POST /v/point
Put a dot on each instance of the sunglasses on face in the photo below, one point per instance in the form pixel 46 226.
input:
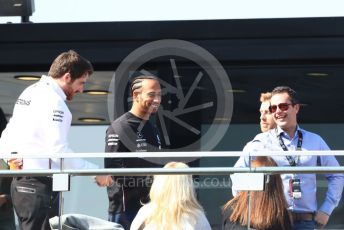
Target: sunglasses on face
pixel 281 106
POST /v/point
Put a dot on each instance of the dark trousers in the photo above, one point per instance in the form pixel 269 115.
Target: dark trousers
pixel 123 218
pixel 304 225
pixel 7 223
pixel 34 202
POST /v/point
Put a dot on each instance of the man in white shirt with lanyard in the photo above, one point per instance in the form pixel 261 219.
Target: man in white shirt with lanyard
pixel 299 189
pixel 39 125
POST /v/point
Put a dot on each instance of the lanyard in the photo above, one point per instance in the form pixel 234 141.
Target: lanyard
pixel 292 161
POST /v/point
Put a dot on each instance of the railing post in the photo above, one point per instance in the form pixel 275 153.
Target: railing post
pixel 61 198
pixel 249 197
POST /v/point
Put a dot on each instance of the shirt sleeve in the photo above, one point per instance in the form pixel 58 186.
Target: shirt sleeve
pixel 335 182
pixel 203 223
pixel 113 144
pixel 243 161
pixel 55 124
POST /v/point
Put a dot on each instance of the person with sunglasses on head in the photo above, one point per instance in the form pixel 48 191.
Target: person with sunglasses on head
pixel 267 121
pixel 299 189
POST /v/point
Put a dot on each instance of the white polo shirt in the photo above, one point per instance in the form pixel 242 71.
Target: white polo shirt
pixel 40 125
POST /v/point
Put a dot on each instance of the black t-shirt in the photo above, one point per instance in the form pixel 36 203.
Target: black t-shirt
pixel 129 133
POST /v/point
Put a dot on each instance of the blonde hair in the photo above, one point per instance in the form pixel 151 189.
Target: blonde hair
pixel 173 200
pixel 265 96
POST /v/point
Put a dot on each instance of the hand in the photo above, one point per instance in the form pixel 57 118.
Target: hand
pixel 321 218
pixel 103 181
pixel 15 163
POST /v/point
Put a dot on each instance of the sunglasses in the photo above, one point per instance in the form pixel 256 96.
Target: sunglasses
pixel 281 106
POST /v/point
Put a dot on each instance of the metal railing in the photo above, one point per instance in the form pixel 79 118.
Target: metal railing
pixel 174 156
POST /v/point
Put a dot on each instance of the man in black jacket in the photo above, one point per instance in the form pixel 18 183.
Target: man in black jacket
pixel 132 132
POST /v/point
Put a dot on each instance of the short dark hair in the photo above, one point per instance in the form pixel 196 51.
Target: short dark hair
pixel 286 89
pixel 70 62
pixel 136 83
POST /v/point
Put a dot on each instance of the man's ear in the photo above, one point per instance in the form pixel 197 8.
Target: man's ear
pixel 135 96
pixel 66 78
pixel 297 107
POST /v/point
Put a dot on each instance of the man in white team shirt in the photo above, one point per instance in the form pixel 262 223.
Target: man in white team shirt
pixel 40 125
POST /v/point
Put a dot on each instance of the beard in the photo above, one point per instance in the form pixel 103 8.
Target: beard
pixel 69 91
pixel 69 97
pixel 69 94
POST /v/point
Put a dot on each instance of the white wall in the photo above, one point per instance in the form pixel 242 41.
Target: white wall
pixel 154 10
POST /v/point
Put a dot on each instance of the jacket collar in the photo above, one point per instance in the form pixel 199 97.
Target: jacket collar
pixel 50 81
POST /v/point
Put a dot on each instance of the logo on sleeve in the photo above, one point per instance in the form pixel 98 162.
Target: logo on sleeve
pixel 113 139
pixel 23 102
pixel 58 115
